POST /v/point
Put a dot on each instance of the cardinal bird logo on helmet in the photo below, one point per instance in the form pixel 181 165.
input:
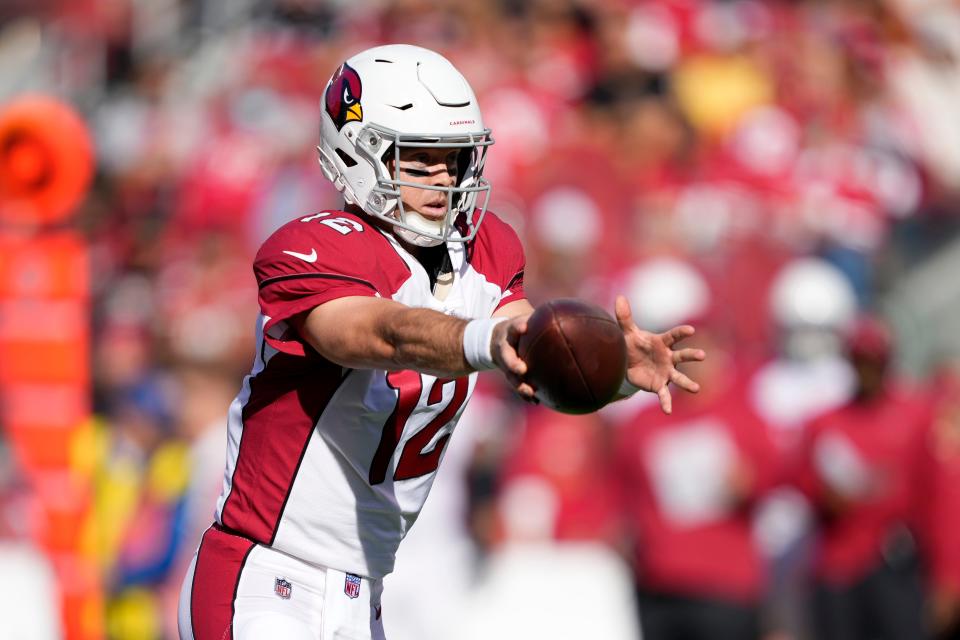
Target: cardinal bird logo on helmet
pixel 343 96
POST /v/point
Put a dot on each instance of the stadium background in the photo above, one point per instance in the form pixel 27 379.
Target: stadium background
pixel 688 153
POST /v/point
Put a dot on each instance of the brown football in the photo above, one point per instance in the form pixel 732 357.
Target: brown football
pixel 576 355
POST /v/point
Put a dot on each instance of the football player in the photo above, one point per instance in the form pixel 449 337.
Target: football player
pixel 374 321
pixel 865 468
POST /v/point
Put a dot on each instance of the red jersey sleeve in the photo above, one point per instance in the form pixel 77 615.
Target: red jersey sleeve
pixel 316 259
pixel 497 253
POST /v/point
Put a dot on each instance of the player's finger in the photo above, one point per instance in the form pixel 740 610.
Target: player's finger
pixel 516 328
pixel 688 355
pixel 666 402
pixel 515 380
pixel 523 389
pixel 624 316
pixel 526 392
pixel 684 382
pixel 512 361
pixel 677 334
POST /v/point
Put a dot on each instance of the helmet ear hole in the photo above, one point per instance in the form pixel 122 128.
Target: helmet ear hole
pixel 464 158
pixel 348 162
pixel 387 154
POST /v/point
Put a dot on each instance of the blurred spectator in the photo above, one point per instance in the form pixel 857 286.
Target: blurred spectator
pixel 556 484
pixel 811 304
pixel 862 468
pixel 549 541
pixel 690 481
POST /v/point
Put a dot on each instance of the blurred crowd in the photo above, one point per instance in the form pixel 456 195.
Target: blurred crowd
pixel 785 175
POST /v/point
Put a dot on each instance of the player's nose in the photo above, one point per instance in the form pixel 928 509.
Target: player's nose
pixel 442 176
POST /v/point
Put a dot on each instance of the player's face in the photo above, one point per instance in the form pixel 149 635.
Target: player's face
pixel 430 166
pixel 870 374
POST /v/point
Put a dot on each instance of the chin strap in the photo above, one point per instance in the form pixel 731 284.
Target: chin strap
pixel 414 238
pixel 417 221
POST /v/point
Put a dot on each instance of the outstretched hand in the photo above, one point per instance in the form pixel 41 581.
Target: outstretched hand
pixel 651 358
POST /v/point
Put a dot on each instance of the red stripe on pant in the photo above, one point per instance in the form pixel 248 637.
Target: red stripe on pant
pixel 216 576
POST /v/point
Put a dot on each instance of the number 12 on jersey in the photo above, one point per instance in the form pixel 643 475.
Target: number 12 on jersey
pixel 341 225
pixel 414 462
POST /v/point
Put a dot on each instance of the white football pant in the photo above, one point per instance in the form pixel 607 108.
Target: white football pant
pixel 238 589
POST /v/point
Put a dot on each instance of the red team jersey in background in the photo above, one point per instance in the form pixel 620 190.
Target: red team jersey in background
pixel 329 464
pixel 693 537
pixel 873 456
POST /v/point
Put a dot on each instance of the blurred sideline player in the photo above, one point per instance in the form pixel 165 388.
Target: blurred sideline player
pixel 864 469
pixel 690 484
pixel 374 321
pixel 811 304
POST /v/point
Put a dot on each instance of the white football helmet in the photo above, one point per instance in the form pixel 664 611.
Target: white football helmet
pixel 665 292
pixel 812 304
pixel 810 291
pixel 395 96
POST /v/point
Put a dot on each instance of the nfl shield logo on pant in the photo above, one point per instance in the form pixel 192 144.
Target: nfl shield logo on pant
pixel 282 588
pixel 351 586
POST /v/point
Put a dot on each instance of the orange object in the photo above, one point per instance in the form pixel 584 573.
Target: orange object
pixel 44 310
pixel 81 598
pixel 40 447
pixel 44 361
pixel 54 405
pixel 49 266
pixel 45 352
pixel 46 160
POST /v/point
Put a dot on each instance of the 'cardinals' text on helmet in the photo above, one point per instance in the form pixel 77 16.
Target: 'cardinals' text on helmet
pixel 395 96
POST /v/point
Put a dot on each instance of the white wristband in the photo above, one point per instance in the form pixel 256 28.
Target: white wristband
pixel 628 388
pixel 477 338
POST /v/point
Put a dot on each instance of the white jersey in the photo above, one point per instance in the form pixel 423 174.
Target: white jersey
pixel 333 465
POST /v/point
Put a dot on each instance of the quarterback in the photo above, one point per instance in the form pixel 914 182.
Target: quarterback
pixel 374 321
